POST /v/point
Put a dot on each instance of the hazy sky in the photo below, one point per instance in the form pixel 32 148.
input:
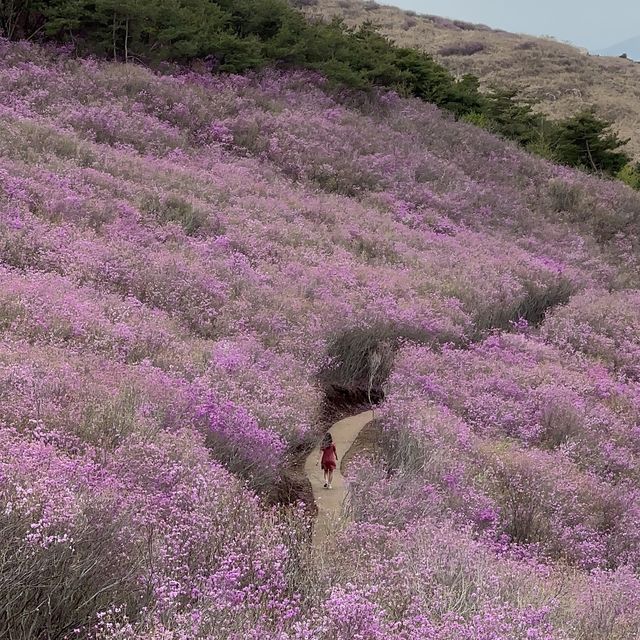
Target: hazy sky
pixel 589 23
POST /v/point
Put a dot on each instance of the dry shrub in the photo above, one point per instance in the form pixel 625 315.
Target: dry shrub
pixel 465 26
pixel 411 451
pixel 560 421
pixel 30 141
pixel 11 312
pixel 409 23
pixel 606 608
pixel 343 180
pixel 376 252
pixel 522 511
pixel 248 135
pixel 177 210
pixel 18 250
pixel 443 23
pixel 564 197
pixel 48 592
pixel 106 424
pixel 526 46
pixel 622 217
pixel 463 49
pixel 532 307
pixel 605 220
pixel 426 172
pixel 361 358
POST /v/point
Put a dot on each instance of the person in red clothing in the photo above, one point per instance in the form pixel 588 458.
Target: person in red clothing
pixel 328 459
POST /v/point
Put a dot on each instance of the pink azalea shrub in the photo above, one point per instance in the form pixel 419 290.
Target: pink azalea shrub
pixel 151 522
pixel 178 251
pixel 606 326
pixel 550 445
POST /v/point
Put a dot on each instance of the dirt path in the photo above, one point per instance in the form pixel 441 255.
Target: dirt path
pixel 330 501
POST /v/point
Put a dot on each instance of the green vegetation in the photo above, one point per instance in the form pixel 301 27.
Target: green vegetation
pixel 586 141
pixel 630 174
pixel 240 35
pixel 503 112
pixel 583 140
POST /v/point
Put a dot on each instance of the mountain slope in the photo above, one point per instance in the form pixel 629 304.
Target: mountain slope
pixel 630 46
pixel 563 78
pixel 192 266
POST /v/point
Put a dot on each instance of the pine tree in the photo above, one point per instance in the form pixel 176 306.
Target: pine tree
pixel 587 141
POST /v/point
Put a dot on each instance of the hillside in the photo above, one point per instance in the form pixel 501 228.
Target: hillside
pixel 192 266
pixel 563 78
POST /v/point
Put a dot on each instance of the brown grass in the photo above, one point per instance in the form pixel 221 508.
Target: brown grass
pixel 562 77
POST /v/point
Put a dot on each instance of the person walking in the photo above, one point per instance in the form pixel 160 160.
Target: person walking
pixel 328 459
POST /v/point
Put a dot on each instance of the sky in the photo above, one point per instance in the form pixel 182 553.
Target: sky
pixel 594 24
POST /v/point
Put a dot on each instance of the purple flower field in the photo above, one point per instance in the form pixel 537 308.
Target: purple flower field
pixel 178 252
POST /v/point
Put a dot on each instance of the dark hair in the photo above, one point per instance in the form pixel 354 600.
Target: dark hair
pixel 327 440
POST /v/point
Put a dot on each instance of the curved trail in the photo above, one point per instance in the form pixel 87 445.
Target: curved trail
pixel 330 501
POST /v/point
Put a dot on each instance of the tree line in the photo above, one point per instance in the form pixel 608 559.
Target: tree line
pixel 241 35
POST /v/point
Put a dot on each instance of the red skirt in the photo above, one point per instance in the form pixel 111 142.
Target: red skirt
pixel 328 462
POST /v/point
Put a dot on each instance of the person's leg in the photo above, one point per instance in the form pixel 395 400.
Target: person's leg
pixel 325 475
pixel 330 477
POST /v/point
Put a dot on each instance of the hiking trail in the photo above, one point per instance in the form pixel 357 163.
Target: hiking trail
pixel 330 501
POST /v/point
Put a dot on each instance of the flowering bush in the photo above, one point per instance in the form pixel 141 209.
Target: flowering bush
pixel 553 463
pixel 183 255
pixel 606 326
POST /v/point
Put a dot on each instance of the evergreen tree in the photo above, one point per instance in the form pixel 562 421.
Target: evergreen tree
pixel 20 18
pixel 513 117
pixel 124 29
pixel 586 141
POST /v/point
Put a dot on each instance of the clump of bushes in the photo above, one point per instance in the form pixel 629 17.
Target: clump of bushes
pixel 409 23
pixel 606 221
pixel 531 307
pixel 466 26
pixel 586 141
pixel 177 210
pixel 630 174
pixel 564 197
pixel 443 23
pixel 361 358
pixel 583 140
pixel 526 46
pixel 51 588
pixel 238 36
pixel 463 49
